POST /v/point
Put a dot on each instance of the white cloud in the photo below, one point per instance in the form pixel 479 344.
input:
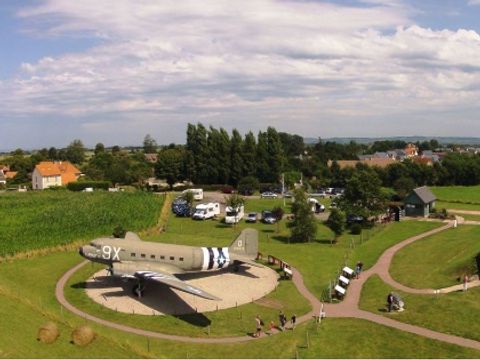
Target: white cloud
pixel 473 2
pixel 283 62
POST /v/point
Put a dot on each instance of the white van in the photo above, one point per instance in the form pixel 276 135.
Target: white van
pixel 197 193
pixel 234 215
pixel 315 205
pixel 206 211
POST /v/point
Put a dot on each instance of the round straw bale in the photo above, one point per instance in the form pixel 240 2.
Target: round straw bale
pixel 83 335
pixel 48 333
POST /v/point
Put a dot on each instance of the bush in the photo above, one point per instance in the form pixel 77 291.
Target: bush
pixel 355 229
pixel 82 185
pixel 119 232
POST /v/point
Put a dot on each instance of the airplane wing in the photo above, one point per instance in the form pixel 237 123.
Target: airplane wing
pixel 174 282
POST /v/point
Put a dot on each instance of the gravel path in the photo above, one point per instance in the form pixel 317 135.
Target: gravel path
pixel 347 308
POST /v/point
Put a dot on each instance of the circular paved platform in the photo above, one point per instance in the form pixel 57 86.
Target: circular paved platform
pixel 234 289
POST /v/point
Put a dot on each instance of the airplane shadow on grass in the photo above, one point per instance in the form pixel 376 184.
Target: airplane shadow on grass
pixel 158 297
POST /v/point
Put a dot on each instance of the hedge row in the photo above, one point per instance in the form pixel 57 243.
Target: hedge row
pixel 82 185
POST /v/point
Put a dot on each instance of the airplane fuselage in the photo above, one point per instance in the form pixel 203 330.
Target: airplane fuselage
pixel 187 258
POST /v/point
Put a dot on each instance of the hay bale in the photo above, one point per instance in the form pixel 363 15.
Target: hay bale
pixel 48 333
pixel 83 335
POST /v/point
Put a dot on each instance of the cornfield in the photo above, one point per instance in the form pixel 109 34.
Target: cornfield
pixel 30 221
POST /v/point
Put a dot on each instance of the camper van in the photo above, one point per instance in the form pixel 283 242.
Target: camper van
pixel 197 193
pixel 206 211
pixel 234 215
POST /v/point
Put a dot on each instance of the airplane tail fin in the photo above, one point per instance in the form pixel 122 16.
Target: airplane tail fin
pixel 246 244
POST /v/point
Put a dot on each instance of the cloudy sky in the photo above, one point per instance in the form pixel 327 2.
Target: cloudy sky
pixel 112 71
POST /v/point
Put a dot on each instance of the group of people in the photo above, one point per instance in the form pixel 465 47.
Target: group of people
pixel 282 320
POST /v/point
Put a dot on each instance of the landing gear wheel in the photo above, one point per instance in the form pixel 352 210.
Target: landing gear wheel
pixel 138 290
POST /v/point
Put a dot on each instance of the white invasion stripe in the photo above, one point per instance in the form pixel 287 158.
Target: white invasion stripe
pixel 216 255
pixel 227 256
pixel 205 258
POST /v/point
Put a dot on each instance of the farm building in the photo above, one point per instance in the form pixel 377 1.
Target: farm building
pixel 419 202
pixel 53 173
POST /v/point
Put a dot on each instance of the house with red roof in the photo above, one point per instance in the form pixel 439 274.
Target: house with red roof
pixel 53 173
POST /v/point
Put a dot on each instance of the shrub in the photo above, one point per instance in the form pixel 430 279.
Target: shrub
pixel 355 229
pixel 83 335
pixel 82 185
pixel 48 333
pixel 119 232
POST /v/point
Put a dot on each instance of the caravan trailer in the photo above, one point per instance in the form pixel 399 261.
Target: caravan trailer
pixel 206 211
pixel 197 193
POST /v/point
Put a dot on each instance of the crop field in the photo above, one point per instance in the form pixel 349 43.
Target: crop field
pixel 453 313
pixel 464 194
pixel 439 260
pixel 37 220
pixel 28 301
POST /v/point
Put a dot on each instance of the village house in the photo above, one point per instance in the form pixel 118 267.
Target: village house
pixel 53 173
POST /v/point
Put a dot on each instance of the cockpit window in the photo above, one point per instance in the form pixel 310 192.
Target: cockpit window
pixel 95 244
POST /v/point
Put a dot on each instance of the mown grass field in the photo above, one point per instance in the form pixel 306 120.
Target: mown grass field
pixel 28 301
pixel 464 194
pixel 454 313
pixel 37 220
pixel 438 261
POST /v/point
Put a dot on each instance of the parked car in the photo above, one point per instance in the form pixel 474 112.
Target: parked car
pixel 180 207
pixel 206 211
pixel 352 219
pixel 251 217
pixel 268 217
pixel 268 195
pixel 288 194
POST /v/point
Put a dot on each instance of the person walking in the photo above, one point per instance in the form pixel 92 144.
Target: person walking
pixel 358 269
pixel 293 320
pixel 390 302
pixel 465 282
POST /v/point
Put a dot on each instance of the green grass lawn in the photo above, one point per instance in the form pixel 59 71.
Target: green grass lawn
pixel 36 220
pixel 28 301
pixel 456 205
pixel 228 322
pixel 457 193
pixel 453 313
pixel 439 260
pixel 470 217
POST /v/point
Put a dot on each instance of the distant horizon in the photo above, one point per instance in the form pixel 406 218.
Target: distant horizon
pixel 461 140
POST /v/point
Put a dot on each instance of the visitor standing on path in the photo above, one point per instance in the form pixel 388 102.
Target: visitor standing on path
pixel 283 320
pixel 258 324
pixel 390 302
pixel 293 320
pixel 465 282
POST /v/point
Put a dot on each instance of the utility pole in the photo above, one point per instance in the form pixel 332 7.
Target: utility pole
pixel 283 188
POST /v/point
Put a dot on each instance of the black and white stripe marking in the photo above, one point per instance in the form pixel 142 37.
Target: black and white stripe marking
pixel 215 258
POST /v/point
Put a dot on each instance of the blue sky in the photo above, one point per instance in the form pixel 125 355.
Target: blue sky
pixel 115 70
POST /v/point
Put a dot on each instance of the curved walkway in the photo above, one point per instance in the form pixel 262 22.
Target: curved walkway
pixel 347 308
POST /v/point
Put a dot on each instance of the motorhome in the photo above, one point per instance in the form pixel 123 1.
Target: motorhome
pixel 197 193
pixel 234 214
pixel 206 211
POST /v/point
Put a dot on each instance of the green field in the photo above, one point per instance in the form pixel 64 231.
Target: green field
pixel 37 220
pixel 456 205
pixel 27 295
pixel 454 313
pixel 470 217
pixel 464 194
pixel 439 260
pixel 28 301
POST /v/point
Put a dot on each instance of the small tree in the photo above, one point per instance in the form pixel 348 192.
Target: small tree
pixel 119 232
pixel 278 212
pixel 336 223
pixel 304 225
pixel 188 197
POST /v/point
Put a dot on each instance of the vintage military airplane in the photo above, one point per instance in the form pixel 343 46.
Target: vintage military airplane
pixel 147 261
